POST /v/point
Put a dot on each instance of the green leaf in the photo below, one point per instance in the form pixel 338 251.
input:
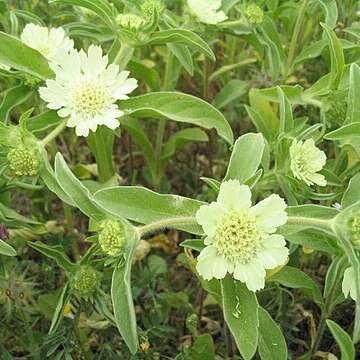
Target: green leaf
pixel 182 36
pixel 296 279
pixel 12 98
pixel 43 122
pixel 233 90
pixel 310 52
pixel 47 174
pixel 272 345
pixel 178 107
pixel 292 93
pixel 346 132
pixel 203 348
pixel 240 309
pixel 331 12
pixel 183 54
pixel 259 122
pixel 145 206
pixel 243 167
pixel 352 193
pixel 76 191
pixel 181 138
pixel 286 116
pixel 16 54
pixel 101 7
pixel 121 297
pixel 56 253
pixel 343 340
pixel 6 249
pixel 353 110
pixel 315 240
pixel 337 57
pixel 194 244
pixel 59 311
pixel 149 75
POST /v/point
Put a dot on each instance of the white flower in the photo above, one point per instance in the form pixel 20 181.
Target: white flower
pixel 349 283
pixel 306 161
pixel 47 42
pixel 206 11
pixel 4 67
pixel 86 89
pixel 240 238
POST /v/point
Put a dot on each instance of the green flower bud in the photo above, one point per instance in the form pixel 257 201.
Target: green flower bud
pixel 254 14
pixel 86 280
pixel 354 230
pixel 149 6
pixel 192 322
pixel 23 161
pixel 31 81
pixel 129 21
pixel 335 107
pixel 112 237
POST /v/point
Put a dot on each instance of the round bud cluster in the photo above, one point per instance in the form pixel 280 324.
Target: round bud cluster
pixel 112 237
pixel 23 161
pixel 149 6
pixel 31 81
pixel 86 280
pixel 354 230
pixel 254 14
pixel 129 21
pixel 192 322
pixel 335 108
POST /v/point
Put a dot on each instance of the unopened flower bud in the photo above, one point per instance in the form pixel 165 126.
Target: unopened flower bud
pixel 86 280
pixel 335 107
pixel 150 6
pixel 4 232
pixel 23 161
pixel 112 237
pixel 129 21
pixel 254 14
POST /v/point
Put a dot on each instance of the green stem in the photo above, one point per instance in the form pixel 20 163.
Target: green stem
pixel 312 222
pixel 167 223
pixel 295 39
pixel 326 312
pixel 104 162
pixel 123 56
pixel 53 134
pixel 71 230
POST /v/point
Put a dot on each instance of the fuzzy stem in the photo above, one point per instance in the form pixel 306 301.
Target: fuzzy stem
pixel 53 134
pixel 167 223
pixel 295 39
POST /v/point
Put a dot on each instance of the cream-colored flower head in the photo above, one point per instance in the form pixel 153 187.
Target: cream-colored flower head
pixel 241 238
pixel 86 89
pixel 47 42
pixel 349 283
pixel 306 161
pixel 207 11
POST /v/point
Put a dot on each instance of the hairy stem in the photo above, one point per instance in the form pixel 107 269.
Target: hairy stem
pixel 53 134
pixel 167 223
pixel 295 39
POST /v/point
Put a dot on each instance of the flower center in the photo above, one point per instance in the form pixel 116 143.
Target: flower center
pixel 44 49
pixel 89 98
pixel 238 237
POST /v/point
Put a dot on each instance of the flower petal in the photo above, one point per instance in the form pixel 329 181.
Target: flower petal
pixel 233 196
pixel 252 274
pixel 270 213
pixel 207 216
pixel 210 264
pixel 275 253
